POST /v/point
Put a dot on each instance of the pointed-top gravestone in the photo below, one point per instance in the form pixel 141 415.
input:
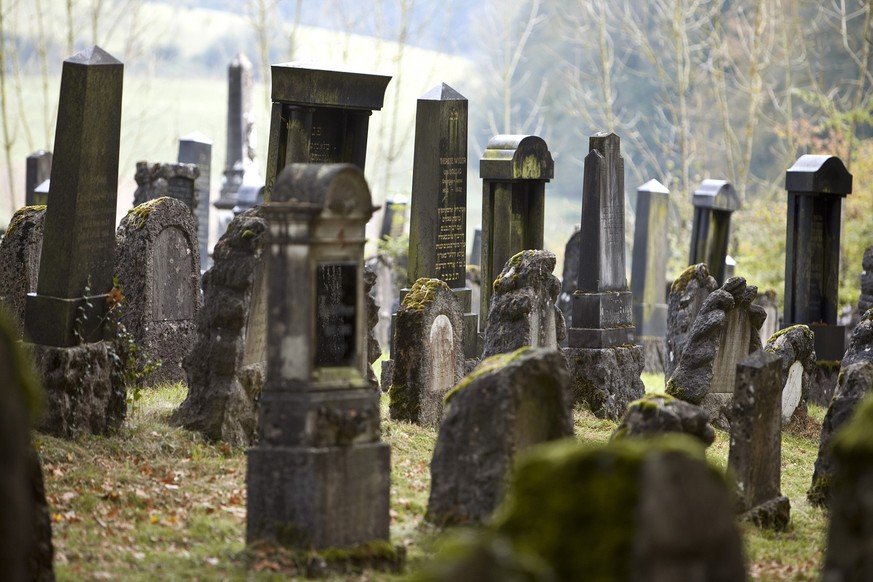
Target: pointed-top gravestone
pixel 196 148
pixel 239 118
pixel 78 252
pixel 714 202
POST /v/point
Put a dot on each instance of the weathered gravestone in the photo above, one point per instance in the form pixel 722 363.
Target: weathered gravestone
pixel 158 268
pixel 684 301
pixel 755 456
pixel 319 476
pixel 769 302
pixel 475 258
pixel 514 171
pixel 853 385
pixel 429 353
pixel 724 332
pixel 38 170
pixel 714 203
pixel 394 217
pixel 604 363
pixel 523 310
pixel 510 402
pixel 227 364
pixel 635 509
pixel 794 346
pixel 569 278
pixel 174 180
pixel 195 148
pixel 649 273
pixel 865 302
pixel 20 251
pixel 658 414
pixel 67 317
pixel 25 526
pixel 847 556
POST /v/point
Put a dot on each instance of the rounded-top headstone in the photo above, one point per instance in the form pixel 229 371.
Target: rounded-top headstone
pixel 517 157
pixel 819 174
pixel 716 194
pixel 339 189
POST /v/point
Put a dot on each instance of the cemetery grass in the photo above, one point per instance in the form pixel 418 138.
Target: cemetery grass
pixel 154 501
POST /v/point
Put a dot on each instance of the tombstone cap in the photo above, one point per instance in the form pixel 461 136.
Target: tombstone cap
pixel 716 194
pixel 653 186
pixel 442 92
pixel 820 174
pixel 338 189
pixel 517 157
pixel 93 56
pixel 303 83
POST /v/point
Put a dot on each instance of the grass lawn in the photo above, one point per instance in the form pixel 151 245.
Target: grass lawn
pixel 156 502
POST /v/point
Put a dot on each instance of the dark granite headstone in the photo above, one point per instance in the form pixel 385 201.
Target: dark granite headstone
pixel 195 148
pixel 714 203
pixel 78 253
pixel 394 216
pixel 816 187
pixel 39 169
pixel 514 171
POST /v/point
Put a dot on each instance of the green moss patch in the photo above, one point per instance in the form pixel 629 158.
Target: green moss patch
pixel 487 366
pixel 423 292
pixel 21 215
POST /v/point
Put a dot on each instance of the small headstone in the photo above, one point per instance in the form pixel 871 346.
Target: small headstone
pixel 865 302
pixel 816 187
pixel 769 302
pixel 714 203
pixel 394 216
pixel 173 180
pixel 658 414
pixel 475 258
pixel 195 148
pixel 686 297
pixel 510 402
pixel 429 353
pixel 569 278
pixel 20 251
pixel 755 456
pixel 794 346
pixel 39 169
pixel 514 171
pixel 523 310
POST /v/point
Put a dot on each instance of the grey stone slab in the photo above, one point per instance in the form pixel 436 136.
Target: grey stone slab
pixel 195 148
pixel 649 265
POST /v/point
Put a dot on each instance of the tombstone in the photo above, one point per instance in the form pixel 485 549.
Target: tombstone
pixel 173 180
pixel 429 356
pixel 41 192
pixel 847 555
pixel 374 349
pixel 20 250
pixel 865 302
pixel 319 476
pixel 605 365
pixel 724 332
pixel 249 195
pixel 816 187
pixel 769 302
pixel 755 456
pixel 523 310
pixel 394 217
pixel 649 273
pixel 658 414
pixel 226 366
pixel 39 169
pixel 714 202
pixel 684 301
pixel 569 277
pixel 794 346
pixel 514 171
pixel 195 148
pixel 632 510
pixel 853 385
pixel 158 269
pixel 511 402
pixel 475 258
pixel 320 115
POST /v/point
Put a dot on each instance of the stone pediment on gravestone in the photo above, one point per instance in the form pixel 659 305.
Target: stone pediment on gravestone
pixel 517 157
pixel 716 194
pixel 819 174
pixel 307 83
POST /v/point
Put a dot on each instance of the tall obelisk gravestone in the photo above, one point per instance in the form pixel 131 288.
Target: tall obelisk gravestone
pixel 196 148
pixel 78 251
pixel 604 362
pixel 438 223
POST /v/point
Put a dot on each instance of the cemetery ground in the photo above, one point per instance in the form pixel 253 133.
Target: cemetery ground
pixel 157 502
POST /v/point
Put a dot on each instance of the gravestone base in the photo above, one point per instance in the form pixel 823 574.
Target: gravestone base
pixel 823 382
pixel 654 353
pixel 307 497
pixel 718 407
pixel 606 380
pixel 84 388
pixel 168 341
pixel 773 514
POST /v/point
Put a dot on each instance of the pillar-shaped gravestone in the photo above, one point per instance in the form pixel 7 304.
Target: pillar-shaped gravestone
pixel 714 202
pixel 239 154
pixel 319 476
pixel 20 250
pixel 514 171
pixel 39 169
pixel 755 456
pixel 816 187
pixel 649 272
pixel 438 223
pixel 602 314
pixel 195 148
pixel 78 253
pixel 172 180
pixel 320 115
pixel 394 217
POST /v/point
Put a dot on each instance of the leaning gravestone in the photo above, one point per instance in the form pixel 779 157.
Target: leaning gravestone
pixel 724 332
pixel 429 353
pixel 319 476
pixel 523 310
pixel 67 318
pixel 226 365
pixel 20 250
pixel 195 148
pixel 755 456
pixel 658 414
pixel 158 268
pixel 510 402
pixel 39 169
pixel 794 346
pixel 865 302
pixel 633 510
pixel 605 365
pixel 714 203
pixel 686 297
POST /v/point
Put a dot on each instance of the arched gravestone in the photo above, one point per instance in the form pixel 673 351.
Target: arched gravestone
pixel 714 203
pixel 20 251
pixel 158 269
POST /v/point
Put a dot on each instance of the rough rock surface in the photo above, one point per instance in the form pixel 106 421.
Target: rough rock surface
pixel 227 365
pixel 865 302
pixel 795 347
pixel 523 310
pixel 19 261
pixel 683 304
pixel 657 414
pixel 512 401
pixel 606 380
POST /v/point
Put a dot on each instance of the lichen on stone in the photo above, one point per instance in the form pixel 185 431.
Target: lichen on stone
pixel 423 292
pixel 487 366
pixel 21 215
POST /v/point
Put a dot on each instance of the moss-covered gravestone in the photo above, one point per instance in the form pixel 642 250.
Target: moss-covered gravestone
pixel 428 352
pixel 795 348
pixel 20 250
pixel 659 414
pixel 510 402
pixel 633 510
pixel 683 304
